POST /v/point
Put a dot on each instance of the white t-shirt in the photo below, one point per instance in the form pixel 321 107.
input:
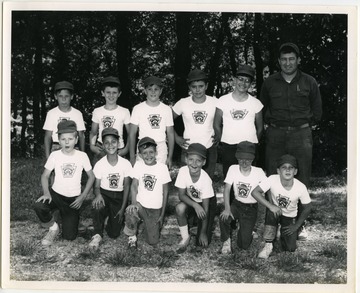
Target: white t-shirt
pixel 239 119
pixel 68 171
pixel 151 180
pixel 152 121
pixel 198 119
pixel 197 191
pixel 112 177
pixel 287 200
pixel 55 115
pixel 244 185
pixel 115 118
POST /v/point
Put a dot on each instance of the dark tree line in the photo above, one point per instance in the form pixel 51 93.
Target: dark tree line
pixel 83 47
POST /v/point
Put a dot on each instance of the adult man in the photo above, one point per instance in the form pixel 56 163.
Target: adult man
pixel 292 105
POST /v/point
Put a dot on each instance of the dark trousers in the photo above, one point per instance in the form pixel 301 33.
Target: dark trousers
pixel 70 217
pixel 288 243
pixel 246 215
pixel 113 202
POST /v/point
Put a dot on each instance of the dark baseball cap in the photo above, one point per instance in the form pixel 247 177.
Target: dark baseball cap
pixel 111 79
pixel 63 85
pixel 145 141
pixel 246 70
pixel 66 126
pixel 153 80
pixel 110 131
pixel 197 149
pixel 289 159
pixel 195 75
pixel 245 150
pixel 289 47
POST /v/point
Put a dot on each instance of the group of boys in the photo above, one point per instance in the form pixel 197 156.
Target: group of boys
pixel 128 192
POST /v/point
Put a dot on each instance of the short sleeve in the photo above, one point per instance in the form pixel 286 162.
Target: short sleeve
pixel 50 163
pixel 229 179
pixel 165 174
pixel 304 196
pixel 180 179
pixel 169 118
pixel 128 168
pixel 95 116
pixel 177 108
pixel 265 184
pixel 134 118
pixel 126 116
pixel 86 163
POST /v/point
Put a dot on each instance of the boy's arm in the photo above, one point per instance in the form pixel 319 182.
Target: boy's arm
pixel 258 194
pixel 92 138
pixel 196 206
pixel 217 125
pixel 76 204
pixel 126 191
pixel 47 142
pixel 125 150
pixel 227 211
pixel 133 194
pixel 82 140
pixel 45 186
pixel 259 125
pixel 170 139
pixel 98 201
pixel 203 240
pixel 180 141
pixel 288 230
pixel 164 203
pixel 132 138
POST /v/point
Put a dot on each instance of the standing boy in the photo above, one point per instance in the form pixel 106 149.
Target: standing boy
pixel 282 207
pixel 244 178
pixel 149 193
pixel 109 115
pixel 65 194
pixel 154 119
pixel 64 93
pixel 198 112
pixel 195 191
pixel 112 185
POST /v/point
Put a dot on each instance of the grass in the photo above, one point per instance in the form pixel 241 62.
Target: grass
pixel 320 260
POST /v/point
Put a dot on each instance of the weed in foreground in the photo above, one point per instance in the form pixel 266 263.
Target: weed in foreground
pixel 24 247
pixel 125 258
pixel 335 250
pixel 291 262
pixel 196 277
pixel 79 277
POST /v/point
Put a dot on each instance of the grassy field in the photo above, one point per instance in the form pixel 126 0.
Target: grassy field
pixel 322 259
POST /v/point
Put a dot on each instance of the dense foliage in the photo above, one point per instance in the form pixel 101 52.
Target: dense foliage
pixel 84 46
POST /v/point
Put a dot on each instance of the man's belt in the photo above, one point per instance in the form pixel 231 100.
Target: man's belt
pixel 290 127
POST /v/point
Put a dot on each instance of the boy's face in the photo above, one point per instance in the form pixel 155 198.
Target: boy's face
pixel 198 89
pixel 148 155
pixel 194 163
pixel 245 164
pixel 68 141
pixel 242 83
pixel 64 98
pixel 287 171
pixel 110 144
pixel 111 94
pixel 153 92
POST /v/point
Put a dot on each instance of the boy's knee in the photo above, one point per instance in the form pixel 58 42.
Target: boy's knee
pixel 180 209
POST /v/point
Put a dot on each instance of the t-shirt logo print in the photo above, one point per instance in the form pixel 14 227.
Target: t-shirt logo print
pixel 114 180
pixel 63 119
pixel 238 114
pixel 108 121
pixel 199 117
pixel 283 201
pixel 68 170
pixel 194 192
pixel 243 189
pixel 154 120
pixel 149 182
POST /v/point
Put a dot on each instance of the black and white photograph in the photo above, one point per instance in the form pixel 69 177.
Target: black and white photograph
pixel 179 147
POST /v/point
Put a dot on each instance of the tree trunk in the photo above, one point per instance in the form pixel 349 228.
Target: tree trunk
pixel 231 48
pixel 257 53
pixel 182 53
pixel 61 59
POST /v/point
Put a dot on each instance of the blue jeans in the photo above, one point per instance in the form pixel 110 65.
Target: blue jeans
pixel 298 143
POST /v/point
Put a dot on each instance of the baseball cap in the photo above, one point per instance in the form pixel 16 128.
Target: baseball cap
pixel 66 126
pixel 152 80
pixel 109 131
pixel 286 159
pixel 291 47
pixel 247 70
pixel 145 141
pixel 63 85
pixel 245 150
pixel 197 149
pixel 111 79
pixel 195 75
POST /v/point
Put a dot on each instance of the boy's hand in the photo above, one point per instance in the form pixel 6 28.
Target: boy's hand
pixel 182 142
pixel 77 203
pixel 44 198
pixel 160 221
pixel 132 160
pixel 120 214
pixel 289 230
pixel 226 214
pixel 98 202
pixel 169 163
pixel 203 240
pixel 95 149
pixel 200 212
pixel 215 140
pixel 132 209
pixel 275 210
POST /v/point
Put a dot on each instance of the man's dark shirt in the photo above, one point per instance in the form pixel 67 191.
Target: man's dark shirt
pixel 291 104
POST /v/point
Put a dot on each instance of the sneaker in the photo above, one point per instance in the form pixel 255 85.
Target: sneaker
pixel 95 241
pixel 226 248
pixel 265 252
pixel 183 244
pixel 278 233
pixel 302 236
pixel 132 243
pixel 50 237
pixel 255 235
